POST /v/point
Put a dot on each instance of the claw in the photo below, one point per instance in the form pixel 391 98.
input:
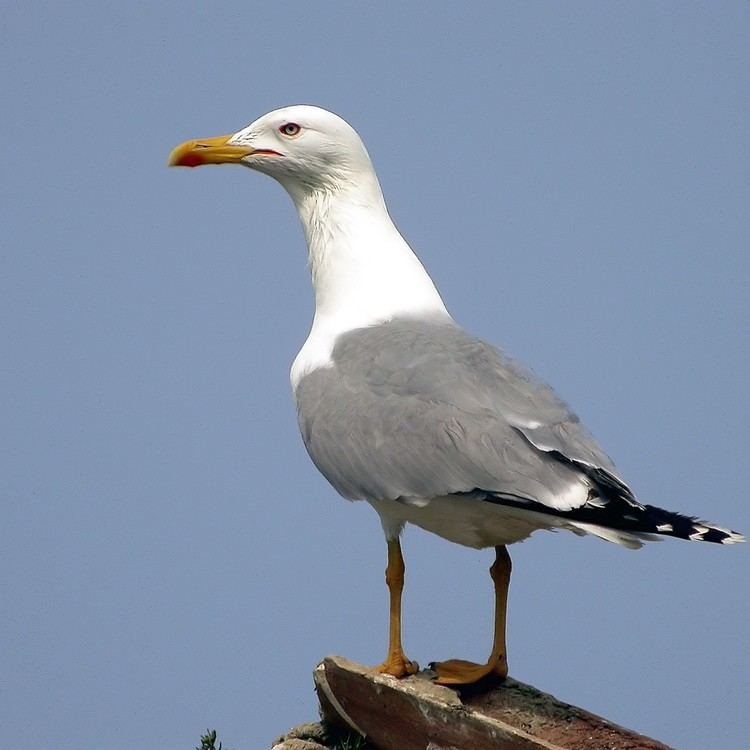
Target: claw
pixel 397 665
pixel 460 672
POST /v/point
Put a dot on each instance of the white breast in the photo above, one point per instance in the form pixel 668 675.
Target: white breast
pixel 363 273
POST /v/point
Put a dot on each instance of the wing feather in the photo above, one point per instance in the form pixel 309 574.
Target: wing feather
pixel 421 409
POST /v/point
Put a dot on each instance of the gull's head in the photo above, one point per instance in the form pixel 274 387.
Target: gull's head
pixel 303 147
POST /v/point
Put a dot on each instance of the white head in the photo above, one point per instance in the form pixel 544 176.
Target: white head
pixel 363 271
pixel 305 148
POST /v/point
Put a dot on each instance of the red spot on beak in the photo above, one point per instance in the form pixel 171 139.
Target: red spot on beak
pixel 190 160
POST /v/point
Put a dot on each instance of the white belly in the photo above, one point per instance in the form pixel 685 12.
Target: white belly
pixel 463 520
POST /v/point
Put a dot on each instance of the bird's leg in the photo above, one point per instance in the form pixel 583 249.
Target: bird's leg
pixel 396 663
pixel 460 672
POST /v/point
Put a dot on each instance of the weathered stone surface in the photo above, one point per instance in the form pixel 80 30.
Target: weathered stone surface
pixel 317 736
pixel 313 731
pixel 296 744
pixel 416 714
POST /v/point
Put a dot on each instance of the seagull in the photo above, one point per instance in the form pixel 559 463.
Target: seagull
pixel 401 407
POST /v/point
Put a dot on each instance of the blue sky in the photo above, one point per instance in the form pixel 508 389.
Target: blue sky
pixel 574 176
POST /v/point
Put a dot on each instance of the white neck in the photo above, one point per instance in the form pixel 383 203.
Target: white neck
pixel 363 271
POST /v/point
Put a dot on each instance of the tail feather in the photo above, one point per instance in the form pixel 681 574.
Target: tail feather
pixel 618 519
pixel 669 523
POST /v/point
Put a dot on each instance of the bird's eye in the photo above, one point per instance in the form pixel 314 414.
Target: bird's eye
pixel 290 129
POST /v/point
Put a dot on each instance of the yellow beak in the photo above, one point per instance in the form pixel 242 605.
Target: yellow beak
pixel 208 151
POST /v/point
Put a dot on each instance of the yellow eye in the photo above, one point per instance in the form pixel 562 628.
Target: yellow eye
pixel 290 129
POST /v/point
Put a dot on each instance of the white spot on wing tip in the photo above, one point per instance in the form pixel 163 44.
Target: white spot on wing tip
pixel 665 527
pixel 734 538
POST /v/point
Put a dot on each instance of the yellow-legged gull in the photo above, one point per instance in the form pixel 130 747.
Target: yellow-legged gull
pixel 400 407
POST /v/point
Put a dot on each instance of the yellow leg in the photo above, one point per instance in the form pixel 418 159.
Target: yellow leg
pixel 396 663
pixel 460 672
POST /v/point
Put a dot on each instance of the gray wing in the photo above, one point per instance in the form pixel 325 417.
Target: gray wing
pixel 415 409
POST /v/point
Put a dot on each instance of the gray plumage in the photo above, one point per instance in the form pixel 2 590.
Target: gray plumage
pixel 421 409
pixel 415 409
